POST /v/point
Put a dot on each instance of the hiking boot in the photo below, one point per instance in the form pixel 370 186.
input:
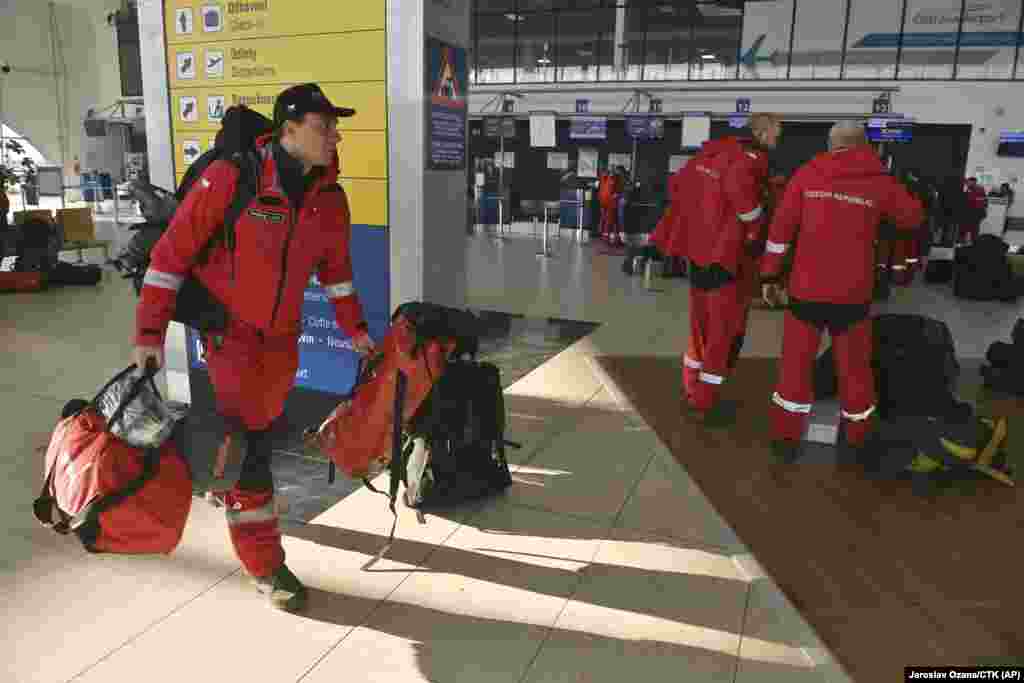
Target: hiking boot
pixel 283 589
pixel 785 452
pixel 719 415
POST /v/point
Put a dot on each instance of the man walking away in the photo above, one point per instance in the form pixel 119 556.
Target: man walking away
pixel 725 229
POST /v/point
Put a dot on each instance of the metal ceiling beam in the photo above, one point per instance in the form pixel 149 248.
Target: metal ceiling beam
pixel 676 87
pixel 715 116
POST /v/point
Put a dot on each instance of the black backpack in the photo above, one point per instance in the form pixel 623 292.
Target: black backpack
pixel 38 247
pixel 936 452
pixel 462 422
pixel 915 368
pixel 236 143
pixel 1005 369
pixel 982 271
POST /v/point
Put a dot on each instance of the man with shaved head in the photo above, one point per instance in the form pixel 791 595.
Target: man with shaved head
pixel 723 188
pixel 830 216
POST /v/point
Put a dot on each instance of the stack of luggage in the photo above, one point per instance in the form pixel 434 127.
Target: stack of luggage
pixel 425 411
pixel 924 432
pixel 36 263
pixel 982 272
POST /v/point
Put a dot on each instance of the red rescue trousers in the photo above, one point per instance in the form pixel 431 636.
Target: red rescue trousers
pixel 718 322
pixel 252 375
pixel 794 395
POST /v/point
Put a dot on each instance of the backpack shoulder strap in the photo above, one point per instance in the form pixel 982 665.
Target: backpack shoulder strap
pixel 246 189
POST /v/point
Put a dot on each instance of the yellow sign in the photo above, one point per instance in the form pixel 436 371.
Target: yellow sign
pixel 222 54
pixel 367 199
pixel 201 21
pixel 335 58
pixel 197 109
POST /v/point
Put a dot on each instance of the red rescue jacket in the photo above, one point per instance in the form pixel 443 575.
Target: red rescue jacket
pixel 276 251
pixel 670 235
pixel 831 209
pixel 724 193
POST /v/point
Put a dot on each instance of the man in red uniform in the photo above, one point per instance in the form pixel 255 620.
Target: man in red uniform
pixel 297 225
pixel 670 235
pixel 831 210
pixel 977 207
pixel 725 186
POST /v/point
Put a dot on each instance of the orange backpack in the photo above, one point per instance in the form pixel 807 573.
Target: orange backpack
pixel 359 435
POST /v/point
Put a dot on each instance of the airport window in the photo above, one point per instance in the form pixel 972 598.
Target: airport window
pixel 535 48
pixel 609 56
pixel 818 40
pixel 580 41
pixel 929 40
pixel 768 37
pixel 128 52
pixel 15 148
pixel 988 44
pixel 871 54
pixel 495 54
pixel 715 41
pixel 575 50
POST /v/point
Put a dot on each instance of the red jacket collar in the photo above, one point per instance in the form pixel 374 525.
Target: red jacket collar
pixel 270 179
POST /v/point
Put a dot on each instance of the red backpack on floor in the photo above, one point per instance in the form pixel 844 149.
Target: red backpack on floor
pixel 115 497
pixel 359 436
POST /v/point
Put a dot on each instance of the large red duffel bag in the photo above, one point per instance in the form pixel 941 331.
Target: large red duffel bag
pixel 116 498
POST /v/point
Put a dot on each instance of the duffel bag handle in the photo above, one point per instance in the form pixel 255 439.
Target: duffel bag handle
pixel 147 376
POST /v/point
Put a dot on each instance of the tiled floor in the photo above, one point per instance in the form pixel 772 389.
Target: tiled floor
pixel 605 560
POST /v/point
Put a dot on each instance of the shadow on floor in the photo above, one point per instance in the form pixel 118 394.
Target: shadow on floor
pixel 867 562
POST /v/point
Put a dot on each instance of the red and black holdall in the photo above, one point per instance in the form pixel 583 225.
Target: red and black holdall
pixel 115 497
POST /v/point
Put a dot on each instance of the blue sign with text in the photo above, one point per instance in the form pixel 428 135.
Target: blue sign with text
pixel 327 362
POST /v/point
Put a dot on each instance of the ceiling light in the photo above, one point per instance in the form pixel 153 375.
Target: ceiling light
pixel 514 17
pixel 544 61
pixel 708 56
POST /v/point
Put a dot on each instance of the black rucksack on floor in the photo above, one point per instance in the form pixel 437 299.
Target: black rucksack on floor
pixel 463 423
pixel 938 272
pixel 915 368
pixel 982 271
pixel 936 452
pixel 1005 369
pixel 38 247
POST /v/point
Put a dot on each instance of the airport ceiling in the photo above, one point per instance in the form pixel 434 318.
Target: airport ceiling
pixel 667 6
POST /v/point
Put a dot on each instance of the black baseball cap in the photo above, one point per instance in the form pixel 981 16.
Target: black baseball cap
pixel 299 100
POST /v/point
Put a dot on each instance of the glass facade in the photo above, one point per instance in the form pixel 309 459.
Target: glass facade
pixel 585 41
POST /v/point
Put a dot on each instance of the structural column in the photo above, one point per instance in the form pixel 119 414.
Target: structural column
pixel 428 98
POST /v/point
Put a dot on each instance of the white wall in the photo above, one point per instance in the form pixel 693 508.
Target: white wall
pixel 29 102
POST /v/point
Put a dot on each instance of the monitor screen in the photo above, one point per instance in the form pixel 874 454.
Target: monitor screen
pixel 1011 143
pixel 588 128
pixel 645 127
pixel 890 130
